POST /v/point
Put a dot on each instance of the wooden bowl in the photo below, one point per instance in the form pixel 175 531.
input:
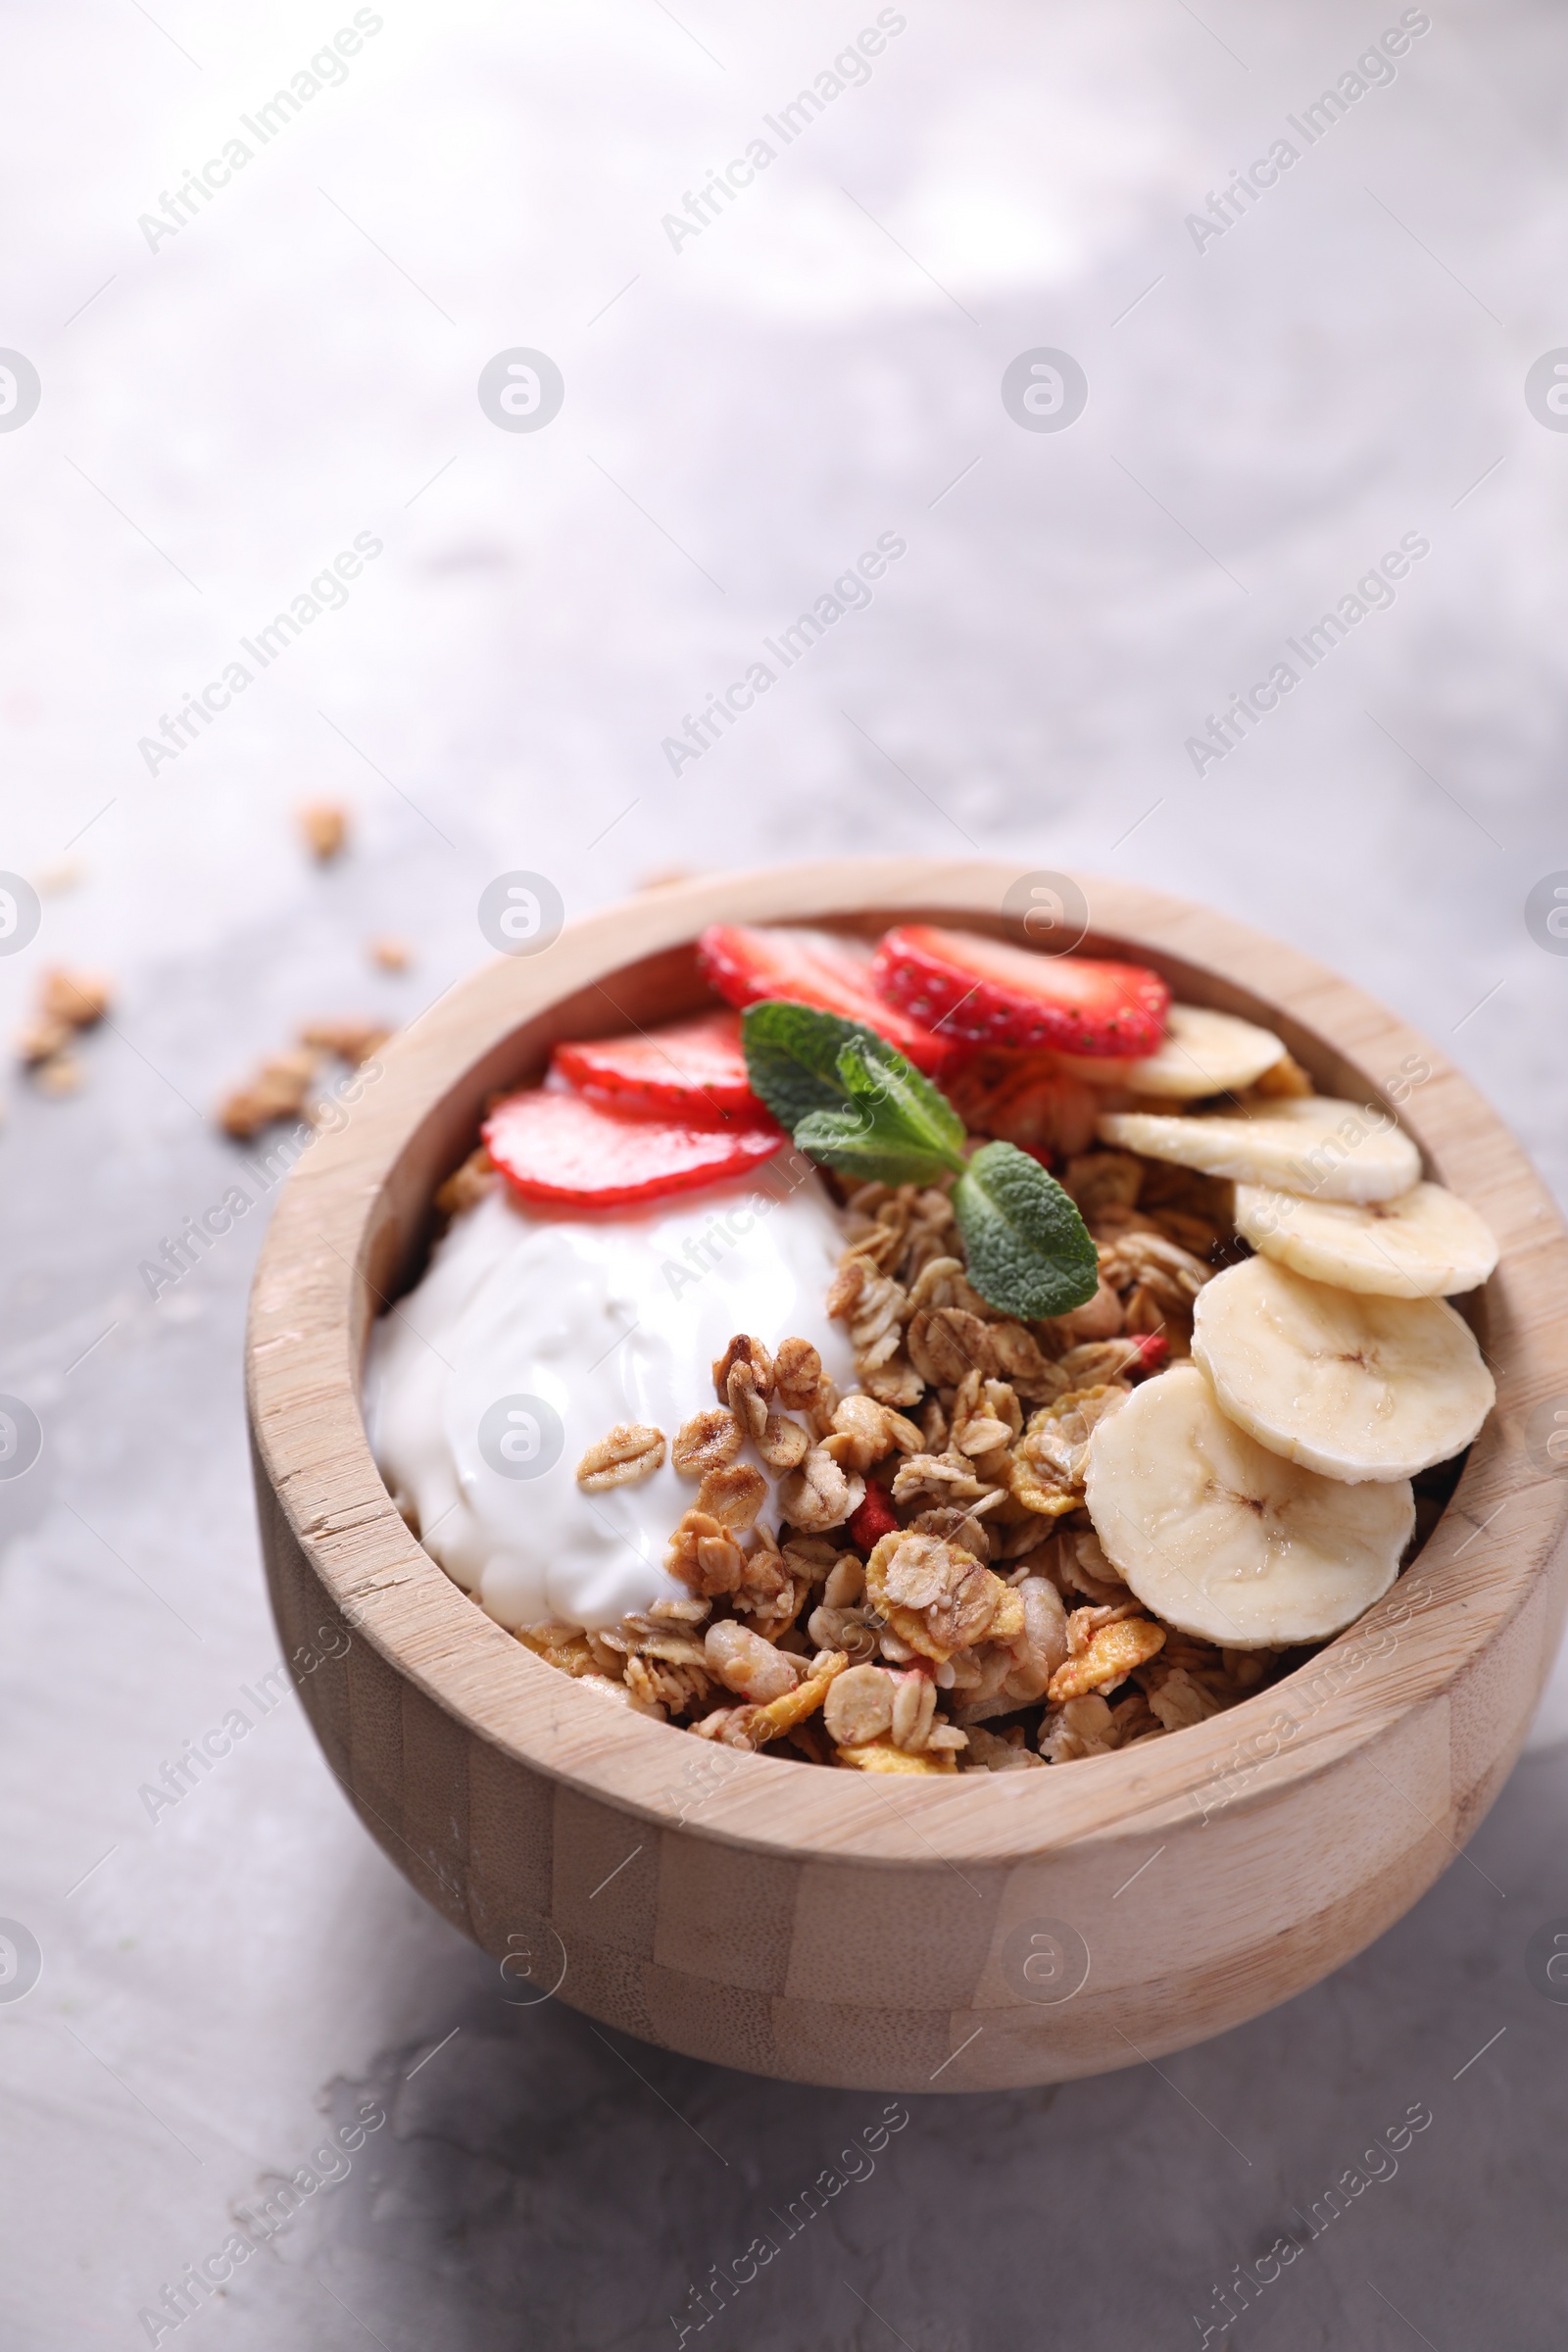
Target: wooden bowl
pixel 973 1933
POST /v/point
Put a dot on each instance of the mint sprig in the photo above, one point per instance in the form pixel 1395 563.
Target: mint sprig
pixel 855 1102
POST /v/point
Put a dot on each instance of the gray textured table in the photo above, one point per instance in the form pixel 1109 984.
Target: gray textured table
pixel 291 362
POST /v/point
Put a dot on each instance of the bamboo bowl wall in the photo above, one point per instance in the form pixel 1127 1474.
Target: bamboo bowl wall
pixel 962 1934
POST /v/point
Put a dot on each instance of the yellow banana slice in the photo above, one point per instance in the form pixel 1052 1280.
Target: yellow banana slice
pixel 1308 1143
pixel 1220 1538
pixel 1354 1386
pixel 1201 1052
pixel 1425 1244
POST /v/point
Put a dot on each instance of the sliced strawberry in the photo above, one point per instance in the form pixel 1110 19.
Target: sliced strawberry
pixel 874 1518
pixel 695 1069
pixel 995 994
pixel 562 1148
pixel 813 967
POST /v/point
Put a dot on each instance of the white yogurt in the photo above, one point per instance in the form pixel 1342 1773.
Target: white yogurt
pixel 532 1333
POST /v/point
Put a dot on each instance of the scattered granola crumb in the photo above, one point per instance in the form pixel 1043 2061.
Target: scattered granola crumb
pixel 41 1040
pixel 325 827
pixel 281 1087
pixel 353 1040
pixel 60 1074
pixel 68 1001
pixel 389 953
pixel 276 1092
pixel 78 998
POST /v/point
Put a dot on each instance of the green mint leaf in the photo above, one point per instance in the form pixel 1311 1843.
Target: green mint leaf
pixel 849 1098
pixel 1029 1250
pixel 908 1111
pixel 792 1056
pixel 851 1141
pixel 895 1126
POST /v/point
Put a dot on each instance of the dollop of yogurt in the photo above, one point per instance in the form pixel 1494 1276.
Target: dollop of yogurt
pixel 532 1333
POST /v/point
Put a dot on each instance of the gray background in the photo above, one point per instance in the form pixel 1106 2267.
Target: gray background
pixel 220 417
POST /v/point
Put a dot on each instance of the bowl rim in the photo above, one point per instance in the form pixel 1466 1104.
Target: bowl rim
pixel 354 1198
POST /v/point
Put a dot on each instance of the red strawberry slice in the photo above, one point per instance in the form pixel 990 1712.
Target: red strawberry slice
pixel 695 1069
pixel 812 967
pixel 995 994
pixel 563 1148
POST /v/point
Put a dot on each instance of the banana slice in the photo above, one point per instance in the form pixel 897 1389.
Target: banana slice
pixel 1426 1244
pixel 1354 1386
pixel 1303 1144
pixel 1201 1052
pixel 1222 1538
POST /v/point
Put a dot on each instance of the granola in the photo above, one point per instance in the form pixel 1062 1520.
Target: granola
pixel 935 1596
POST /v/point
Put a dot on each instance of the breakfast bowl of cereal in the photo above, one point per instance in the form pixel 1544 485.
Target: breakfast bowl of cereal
pixel 911 1475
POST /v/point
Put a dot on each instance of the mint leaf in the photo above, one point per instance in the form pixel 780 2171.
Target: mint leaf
pixel 891 1125
pixel 1029 1250
pixel 847 1097
pixel 792 1055
pixel 850 1141
pixel 907 1107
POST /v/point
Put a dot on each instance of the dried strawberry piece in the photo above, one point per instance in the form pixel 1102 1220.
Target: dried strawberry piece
pixel 695 1069
pixel 747 964
pixel 992 993
pixel 560 1148
pixel 874 1518
pixel 1152 1349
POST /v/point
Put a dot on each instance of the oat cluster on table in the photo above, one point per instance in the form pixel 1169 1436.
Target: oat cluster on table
pixel 324 828
pixel 935 1598
pixel 282 1084
pixel 68 1002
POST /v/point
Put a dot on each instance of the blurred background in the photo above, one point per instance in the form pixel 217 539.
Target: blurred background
pixel 211 389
